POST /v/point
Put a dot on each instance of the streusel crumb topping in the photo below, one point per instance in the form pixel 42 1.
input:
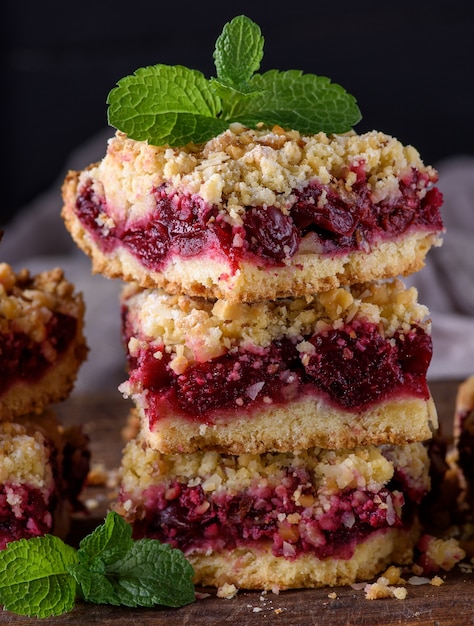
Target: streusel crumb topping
pixel 364 468
pixel 28 302
pixel 24 458
pixel 242 167
pixel 195 329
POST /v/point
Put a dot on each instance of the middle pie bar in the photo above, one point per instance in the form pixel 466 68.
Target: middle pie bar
pixel 342 369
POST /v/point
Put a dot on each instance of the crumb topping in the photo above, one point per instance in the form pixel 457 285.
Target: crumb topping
pixel 195 329
pixel 241 168
pixel 365 468
pixel 27 302
pixel 24 456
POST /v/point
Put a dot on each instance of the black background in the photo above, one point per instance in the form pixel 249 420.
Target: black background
pixel 409 64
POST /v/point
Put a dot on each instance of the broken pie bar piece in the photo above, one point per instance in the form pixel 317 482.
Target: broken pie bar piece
pixel 41 340
pixel 255 214
pixel 342 369
pixel 278 520
pixel 43 468
pixel 464 437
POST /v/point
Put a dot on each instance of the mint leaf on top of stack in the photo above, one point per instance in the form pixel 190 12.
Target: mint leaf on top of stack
pixel 42 576
pixel 174 105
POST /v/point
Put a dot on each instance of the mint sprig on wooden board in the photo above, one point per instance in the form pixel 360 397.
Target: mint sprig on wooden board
pixel 43 576
pixel 175 105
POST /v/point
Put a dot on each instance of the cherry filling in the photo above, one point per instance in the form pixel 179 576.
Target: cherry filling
pixel 23 359
pixel 191 519
pixel 351 367
pixel 31 519
pixel 186 225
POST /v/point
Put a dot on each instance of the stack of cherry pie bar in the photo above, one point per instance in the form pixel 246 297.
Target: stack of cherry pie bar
pixel 43 466
pixel 277 365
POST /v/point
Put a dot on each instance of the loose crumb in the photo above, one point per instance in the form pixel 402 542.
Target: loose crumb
pixel 227 591
pixel 393 575
pixel 380 589
pixel 91 504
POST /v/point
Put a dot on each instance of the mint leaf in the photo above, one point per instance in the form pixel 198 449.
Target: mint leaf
pixel 165 105
pixel 173 105
pixel 34 578
pixel 106 544
pixel 42 576
pixel 109 541
pixel 116 570
pixel 292 99
pixel 150 573
pixel 238 53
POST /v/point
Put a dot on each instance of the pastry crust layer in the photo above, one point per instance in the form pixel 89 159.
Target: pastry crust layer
pixel 250 569
pixel 300 425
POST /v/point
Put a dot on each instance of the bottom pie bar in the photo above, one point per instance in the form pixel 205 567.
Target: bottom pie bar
pixel 279 520
pixel 43 468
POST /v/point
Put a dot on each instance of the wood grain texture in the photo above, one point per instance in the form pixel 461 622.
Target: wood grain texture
pixel 451 604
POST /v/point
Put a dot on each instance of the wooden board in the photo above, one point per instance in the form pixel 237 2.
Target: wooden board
pixel 451 604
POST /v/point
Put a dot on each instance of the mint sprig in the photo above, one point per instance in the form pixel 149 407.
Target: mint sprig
pixel 175 105
pixel 35 578
pixel 43 576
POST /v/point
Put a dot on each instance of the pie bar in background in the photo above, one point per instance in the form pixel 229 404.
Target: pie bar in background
pixel 43 468
pixel 42 344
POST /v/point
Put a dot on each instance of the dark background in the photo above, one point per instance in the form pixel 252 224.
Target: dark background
pixel 408 63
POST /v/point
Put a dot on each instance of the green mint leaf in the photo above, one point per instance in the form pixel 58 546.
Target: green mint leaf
pixel 173 105
pixel 238 53
pixel 109 541
pixel 305 102
pixel 93 584
pixel 34 577
pixel 165 105
pixel 151 573
pixel 114 569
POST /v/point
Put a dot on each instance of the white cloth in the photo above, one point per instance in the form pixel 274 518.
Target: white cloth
pixel 37 239
pixel 446 283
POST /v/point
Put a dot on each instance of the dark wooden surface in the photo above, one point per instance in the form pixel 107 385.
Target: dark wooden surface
pixel 451 604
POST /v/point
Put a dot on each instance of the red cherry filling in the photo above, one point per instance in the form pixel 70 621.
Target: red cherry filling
pixel 186 225
pixel 352 367
pixel 356 365
pixel 191 519
pixel 23 359
pixel 34 518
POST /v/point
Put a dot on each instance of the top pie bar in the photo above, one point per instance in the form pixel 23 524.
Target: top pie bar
pixel 255 214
